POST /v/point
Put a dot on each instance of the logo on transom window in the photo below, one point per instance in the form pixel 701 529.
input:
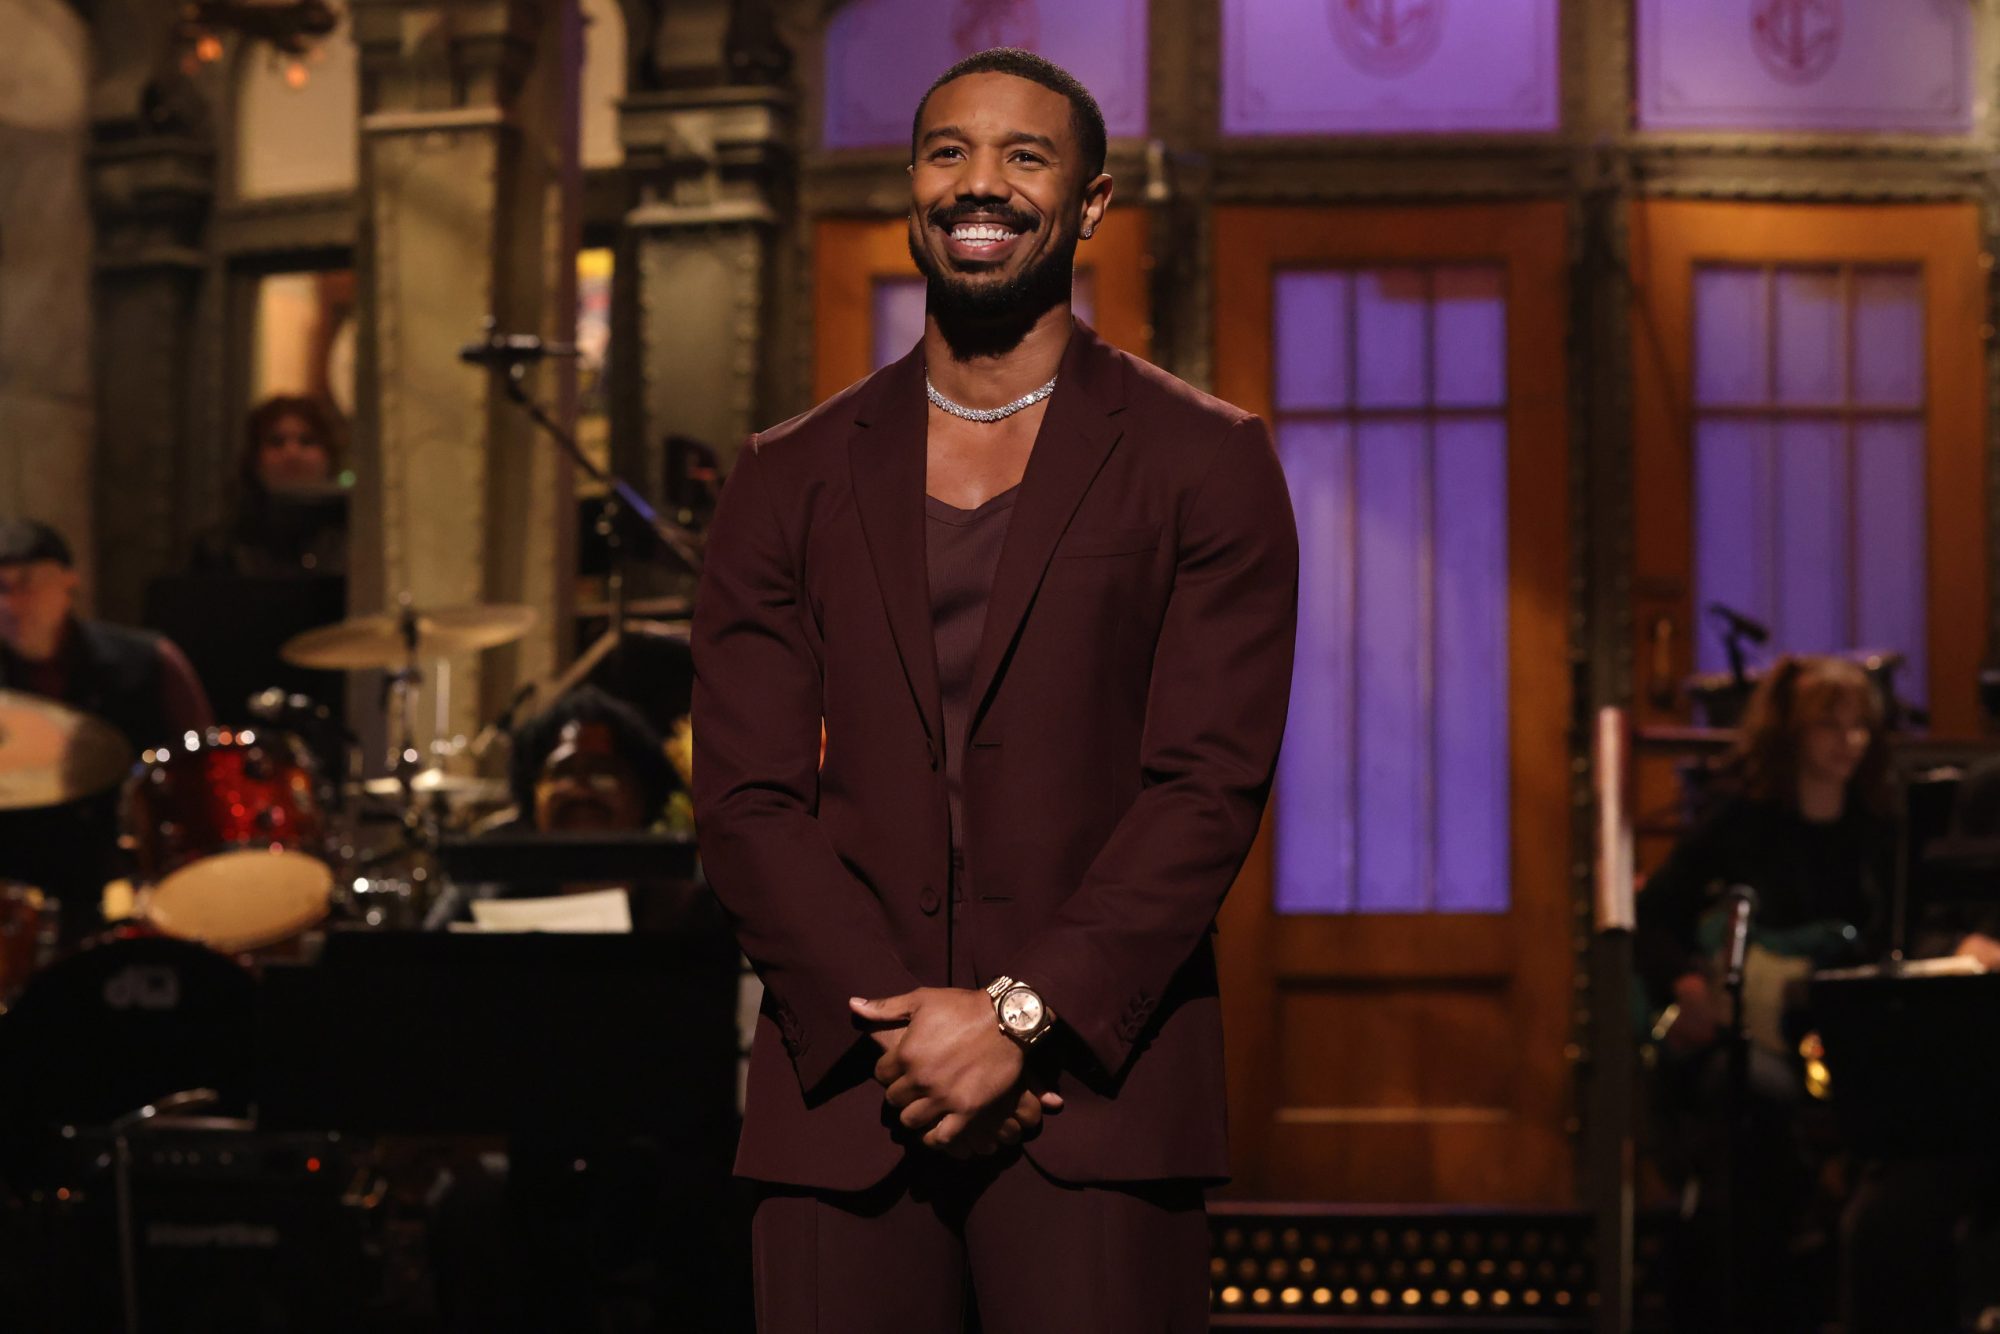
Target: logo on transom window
pixel 980 24
pixel 1388 37
pixel 1796 39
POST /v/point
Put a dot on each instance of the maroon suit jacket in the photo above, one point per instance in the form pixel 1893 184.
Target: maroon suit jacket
pixel 1129 696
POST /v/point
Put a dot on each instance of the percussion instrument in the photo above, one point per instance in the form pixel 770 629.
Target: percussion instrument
pixel 121 1023
pixel 229 835
pixel 392 639
pixel 51 753
pixel 465 788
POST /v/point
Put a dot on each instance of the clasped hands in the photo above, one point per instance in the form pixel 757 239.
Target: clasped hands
pixel 950 1072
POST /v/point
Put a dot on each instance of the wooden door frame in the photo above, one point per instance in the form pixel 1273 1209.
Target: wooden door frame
pixel 851 253
pixel 1671 237
pixel 1256 946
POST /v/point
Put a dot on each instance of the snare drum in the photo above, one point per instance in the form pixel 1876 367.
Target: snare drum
pixel 229 835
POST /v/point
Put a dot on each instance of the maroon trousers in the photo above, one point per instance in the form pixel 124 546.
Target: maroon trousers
pixel 992 1246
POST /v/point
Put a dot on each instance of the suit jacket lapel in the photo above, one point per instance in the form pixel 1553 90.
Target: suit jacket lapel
pixel 885 454
pixel 1076 437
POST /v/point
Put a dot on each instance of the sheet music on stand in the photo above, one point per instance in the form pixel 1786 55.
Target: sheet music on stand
pixel 1907 1047
pixel 596 912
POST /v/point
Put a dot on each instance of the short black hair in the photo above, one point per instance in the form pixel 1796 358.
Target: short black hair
pixel 632 736
pixel 1085 116
pixel 25 540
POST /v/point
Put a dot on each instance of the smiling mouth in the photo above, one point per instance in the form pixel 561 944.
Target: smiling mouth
pixel 982 235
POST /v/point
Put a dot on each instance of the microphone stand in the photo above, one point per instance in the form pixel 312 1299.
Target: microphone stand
pixel 620 499
pixel 677 539
pixel 1742 907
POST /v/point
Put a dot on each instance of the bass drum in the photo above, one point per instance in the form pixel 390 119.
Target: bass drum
pixel 117 1025
pixel 230 839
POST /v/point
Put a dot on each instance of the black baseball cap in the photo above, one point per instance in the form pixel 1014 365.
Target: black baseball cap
pixel 23 541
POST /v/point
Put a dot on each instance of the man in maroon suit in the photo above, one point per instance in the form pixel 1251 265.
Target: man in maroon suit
pixel 1041 595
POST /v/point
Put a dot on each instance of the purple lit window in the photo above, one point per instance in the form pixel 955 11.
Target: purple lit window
pixel 1806 65
pixel 1391 394
pixel 899 312
pixel 1809 458
pixel 882 54
pixel 1389 66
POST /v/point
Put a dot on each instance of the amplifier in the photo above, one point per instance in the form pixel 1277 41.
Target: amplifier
pixel 228 1230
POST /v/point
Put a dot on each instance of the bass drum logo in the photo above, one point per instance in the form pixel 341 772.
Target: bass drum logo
pixel 1388 37
pixel 980 24
pixel 1796 39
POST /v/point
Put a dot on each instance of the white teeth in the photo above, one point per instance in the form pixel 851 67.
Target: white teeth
pixel 981 232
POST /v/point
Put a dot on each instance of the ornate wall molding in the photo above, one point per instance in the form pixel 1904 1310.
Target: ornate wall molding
pixel 293 225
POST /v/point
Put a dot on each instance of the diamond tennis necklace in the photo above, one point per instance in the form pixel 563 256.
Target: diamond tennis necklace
pixel 1027 400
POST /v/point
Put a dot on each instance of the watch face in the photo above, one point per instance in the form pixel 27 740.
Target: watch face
pixel 1021 1010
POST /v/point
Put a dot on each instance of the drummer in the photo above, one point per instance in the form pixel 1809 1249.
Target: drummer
pixel 137 682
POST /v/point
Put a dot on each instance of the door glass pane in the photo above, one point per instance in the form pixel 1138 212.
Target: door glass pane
pixel 302 337
pixel 1470 701
pixel 1888 338
pixel 1390 66
pixel 1390 647
pixel 1809 503
pixel 1789 65
pixel 1889 594
pixel 1469 337
pixel 1730 338
pixel 1392 791
pixel 1314 361
pixel 1315 791
pixel 1810 337
pixel 880 55
pixel 1392 309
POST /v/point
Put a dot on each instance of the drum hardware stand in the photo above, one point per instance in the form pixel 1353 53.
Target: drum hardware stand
pixel 399 695
pixel 121 1143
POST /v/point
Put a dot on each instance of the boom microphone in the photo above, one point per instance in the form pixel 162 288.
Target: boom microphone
pixel 498 351
pixel 1753 630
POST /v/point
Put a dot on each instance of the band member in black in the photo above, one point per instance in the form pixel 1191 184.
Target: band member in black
pixel 137 682
pixel 291 514
pixel 1803 821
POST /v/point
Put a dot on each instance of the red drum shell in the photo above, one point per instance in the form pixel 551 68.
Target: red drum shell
pixel 229 835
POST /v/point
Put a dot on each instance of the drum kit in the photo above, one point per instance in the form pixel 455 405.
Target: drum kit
pixel 238 838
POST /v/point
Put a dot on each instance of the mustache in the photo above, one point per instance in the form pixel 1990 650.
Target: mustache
pixel 1012 219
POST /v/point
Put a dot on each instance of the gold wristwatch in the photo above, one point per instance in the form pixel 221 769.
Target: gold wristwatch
pixel 1019 1008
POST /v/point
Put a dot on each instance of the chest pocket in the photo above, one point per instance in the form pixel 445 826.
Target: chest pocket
pixel 1109 542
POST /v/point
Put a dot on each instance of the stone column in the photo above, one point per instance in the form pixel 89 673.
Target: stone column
pixel 712 158
pixel 152 195
pixel 46 412
pixel 470 191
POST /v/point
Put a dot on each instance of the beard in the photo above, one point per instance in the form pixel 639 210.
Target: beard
pixel 982 317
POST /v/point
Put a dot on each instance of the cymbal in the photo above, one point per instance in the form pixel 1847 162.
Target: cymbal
pixel 50 753
pixel 428 782
pixel 361 642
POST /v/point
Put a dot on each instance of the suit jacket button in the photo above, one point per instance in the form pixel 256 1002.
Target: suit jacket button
pixel 929 901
